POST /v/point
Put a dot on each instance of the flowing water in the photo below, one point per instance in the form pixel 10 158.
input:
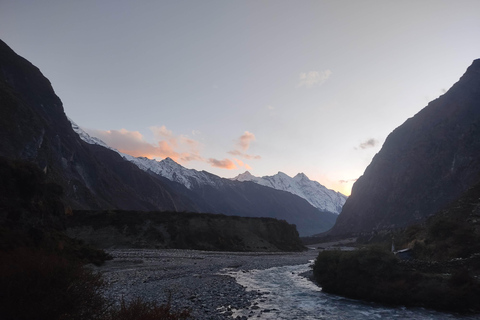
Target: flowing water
pixel 288 295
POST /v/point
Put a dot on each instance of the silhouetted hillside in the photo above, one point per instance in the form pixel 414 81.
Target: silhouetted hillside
pixel 200 231
pixel 425 164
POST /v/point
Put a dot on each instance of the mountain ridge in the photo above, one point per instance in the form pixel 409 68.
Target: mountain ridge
pixel 228 196
pixel 315 193
pixel 424 164
pixel 34 128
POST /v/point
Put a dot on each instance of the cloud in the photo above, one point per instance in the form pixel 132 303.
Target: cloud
pixel 224 164
pixel 243 144
pixel 245 140
pixel 313 78
pixel 242 164
pixel 370 143
pixel 269 107
pixel 244 155
pixel 179 148
pixel 239 162
pixel 347 181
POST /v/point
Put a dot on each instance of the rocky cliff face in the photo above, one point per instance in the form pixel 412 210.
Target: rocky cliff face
pixel 424 164
pixel 122 229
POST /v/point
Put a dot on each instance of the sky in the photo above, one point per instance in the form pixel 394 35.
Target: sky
pixel 264 86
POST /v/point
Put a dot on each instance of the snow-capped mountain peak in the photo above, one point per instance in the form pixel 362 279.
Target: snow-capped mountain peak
pixel 312 191
pixel 301 176
pixel 167 167
pixel 244 175
pixel 86 137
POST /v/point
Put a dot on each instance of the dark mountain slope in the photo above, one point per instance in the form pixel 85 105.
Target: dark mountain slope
pixel 33 127
pixel 424 164
pixel 253 200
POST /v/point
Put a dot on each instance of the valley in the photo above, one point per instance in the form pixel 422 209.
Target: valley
pixel 66 195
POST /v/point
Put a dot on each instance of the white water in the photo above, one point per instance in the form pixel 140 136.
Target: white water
pixel 287 295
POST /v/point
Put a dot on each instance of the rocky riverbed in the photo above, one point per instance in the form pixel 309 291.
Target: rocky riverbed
pixel 195 280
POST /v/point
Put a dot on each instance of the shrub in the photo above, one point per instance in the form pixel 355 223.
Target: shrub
pixel 39 285
pixel 375 275
pixel 354 273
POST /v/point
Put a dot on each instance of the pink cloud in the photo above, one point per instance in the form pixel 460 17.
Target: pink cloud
pixel 242 164
pixel 243 143
pixel 245 140
pixel 239 162
pixel 180 149
pixel 224 164
pixel 244 155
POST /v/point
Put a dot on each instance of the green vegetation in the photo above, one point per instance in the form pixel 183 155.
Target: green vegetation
pixel 374 274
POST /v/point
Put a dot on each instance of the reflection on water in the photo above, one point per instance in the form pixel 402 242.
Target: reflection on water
pixel 287 295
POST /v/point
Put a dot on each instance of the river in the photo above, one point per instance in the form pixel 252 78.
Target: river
pixel 288 295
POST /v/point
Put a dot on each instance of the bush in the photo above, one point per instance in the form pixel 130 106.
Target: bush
pixel 39 285
pixel 353 273
pixel 375 275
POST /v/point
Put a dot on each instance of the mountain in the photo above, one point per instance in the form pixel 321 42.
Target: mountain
pixel 426 163
pixel 34 128
pixel 166 168
pixel 225 196
pixel 316 194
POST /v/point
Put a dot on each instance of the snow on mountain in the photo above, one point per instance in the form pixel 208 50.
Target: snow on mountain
pixel 312 191
pixel 173 171
pixel 166 168
pixel 86 137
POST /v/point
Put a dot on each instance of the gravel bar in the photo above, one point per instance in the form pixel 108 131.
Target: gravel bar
pixel 193 279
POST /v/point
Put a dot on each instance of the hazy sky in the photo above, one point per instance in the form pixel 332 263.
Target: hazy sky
pixel 226 86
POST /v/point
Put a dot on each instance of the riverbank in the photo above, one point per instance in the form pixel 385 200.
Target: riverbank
pixel 192 279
